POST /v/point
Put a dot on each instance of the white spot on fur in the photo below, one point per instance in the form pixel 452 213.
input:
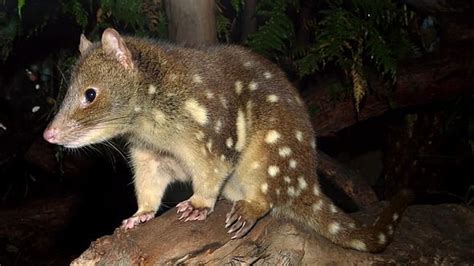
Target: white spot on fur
pixel 351 225
pixel 395 217
pixel 238 87
pixel 313 144
pixel 390 229
pixel 267 75
pixel 151 89
pixel 218 126
pixel 197 78
pixel 273 170
pixel 284 151
pixel 272 137
pixel 302 183
pixel 382 239
pixel 376 220
pixel 255 165
pixel 318 205
pixel 241 131
pixel 197 111
pixel 277 191
pixel 216 170
pixel 159 116
pixel 264 188
pixel 358 244
pixel 248 109
pixel 229 142
pixel 293 163
pixel 223 102
pixel 316 190
pixel 334 228
pixel 173 77
pixel 291 191
pixel 299 135
pixel 209 94
pixel 209 145
pixel 287 179
pixel 137 109
pixel 298 100
pixel 199 135
pixel 248 64
pixel 253 86
pixel 272 98
pixel 222 157
pixel 35 109
pixel 333 208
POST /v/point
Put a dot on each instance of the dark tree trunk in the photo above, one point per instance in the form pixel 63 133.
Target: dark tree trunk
pixel 249 20
pixel 192 23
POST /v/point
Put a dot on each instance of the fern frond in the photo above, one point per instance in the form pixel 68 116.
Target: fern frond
pixel 359 82
pixel 75 8
pixel 277 31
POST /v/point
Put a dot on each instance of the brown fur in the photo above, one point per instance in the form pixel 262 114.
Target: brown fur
pixel 222 117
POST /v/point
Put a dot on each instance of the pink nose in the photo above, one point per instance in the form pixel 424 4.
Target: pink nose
pixel 51 134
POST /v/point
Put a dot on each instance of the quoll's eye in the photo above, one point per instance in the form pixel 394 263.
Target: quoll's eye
pixel 90 95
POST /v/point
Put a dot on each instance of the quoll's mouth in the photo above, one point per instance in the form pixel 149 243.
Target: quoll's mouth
pixel 57 136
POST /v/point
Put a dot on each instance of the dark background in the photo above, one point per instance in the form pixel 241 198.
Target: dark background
pixel 55 202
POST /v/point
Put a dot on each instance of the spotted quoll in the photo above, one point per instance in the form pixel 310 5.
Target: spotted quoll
pixel 222 117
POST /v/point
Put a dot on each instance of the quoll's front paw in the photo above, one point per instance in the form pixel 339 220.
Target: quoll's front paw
pixel 137 219
pixel 190 213
pixel 240 219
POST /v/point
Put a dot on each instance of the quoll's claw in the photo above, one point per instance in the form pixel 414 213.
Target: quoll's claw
pixel 239 224
pixel 189 213
pixel 136 220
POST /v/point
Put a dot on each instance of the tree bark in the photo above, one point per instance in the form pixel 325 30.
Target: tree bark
pixel 191 23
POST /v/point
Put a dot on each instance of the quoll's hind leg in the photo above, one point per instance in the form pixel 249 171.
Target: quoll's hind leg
pixel 153 173
pixel 251 181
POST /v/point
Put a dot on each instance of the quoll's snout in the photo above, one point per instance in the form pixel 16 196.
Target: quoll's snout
pixel 50 134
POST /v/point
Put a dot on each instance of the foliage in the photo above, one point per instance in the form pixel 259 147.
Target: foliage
pixel 351 35
pixel 8 32
pixel 135 16
pixel 223 27
pixel 276 34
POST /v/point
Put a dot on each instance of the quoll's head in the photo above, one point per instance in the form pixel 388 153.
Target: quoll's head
pixel 97 103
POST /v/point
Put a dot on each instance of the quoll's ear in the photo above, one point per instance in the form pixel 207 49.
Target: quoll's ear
pixel 84 44
pixel 114 45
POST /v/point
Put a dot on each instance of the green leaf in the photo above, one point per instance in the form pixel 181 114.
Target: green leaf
pixel 20 4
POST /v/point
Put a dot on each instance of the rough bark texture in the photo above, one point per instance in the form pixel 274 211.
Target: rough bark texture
pixel 430 235
pixel 418 84
pixel 191 23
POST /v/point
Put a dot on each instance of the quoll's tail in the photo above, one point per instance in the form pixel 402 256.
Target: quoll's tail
pixel 334 224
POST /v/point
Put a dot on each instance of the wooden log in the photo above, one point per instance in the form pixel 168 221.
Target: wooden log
pixel 167 241
pixel 418 84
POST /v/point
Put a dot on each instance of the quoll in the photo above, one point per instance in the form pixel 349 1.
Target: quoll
pixel 222 117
